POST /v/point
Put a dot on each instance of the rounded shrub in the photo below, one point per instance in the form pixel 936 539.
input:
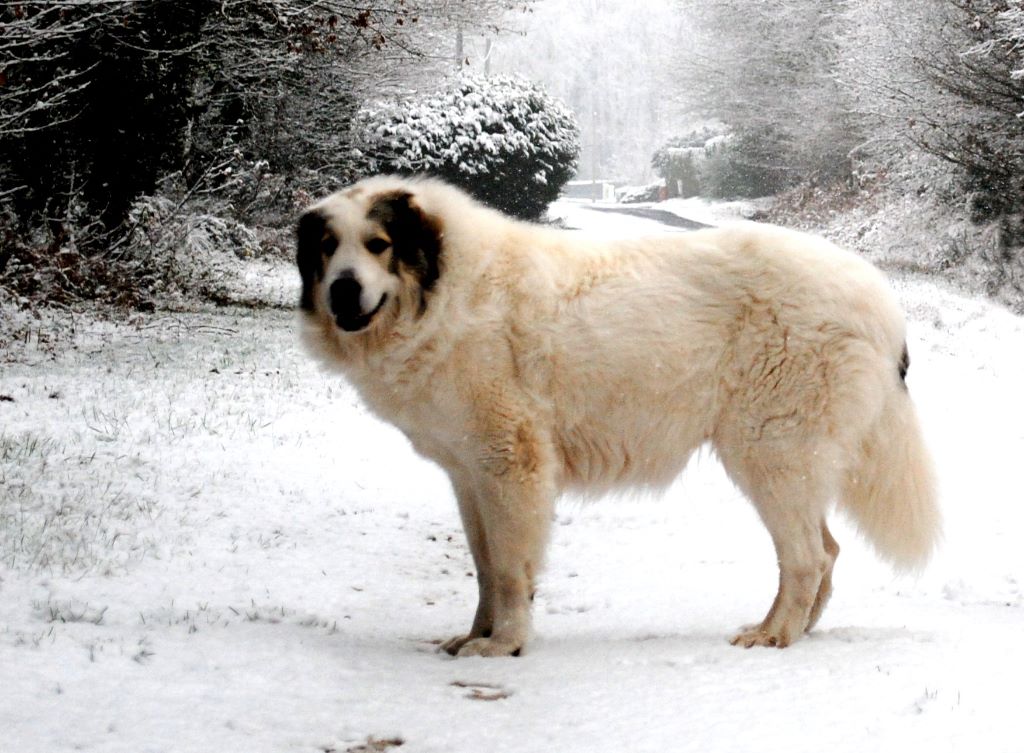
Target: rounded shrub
pixel 502 139
pixel 719 164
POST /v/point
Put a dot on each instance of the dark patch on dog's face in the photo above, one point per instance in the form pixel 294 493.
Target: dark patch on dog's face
pixel 314 243
pixel 415 238
pixel 904 365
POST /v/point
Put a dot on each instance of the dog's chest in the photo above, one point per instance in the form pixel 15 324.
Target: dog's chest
pixel 410 399
pixel 394 402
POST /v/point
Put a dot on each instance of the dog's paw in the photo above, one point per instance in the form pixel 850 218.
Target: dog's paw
pixel 452 645
pixel 757 636
pixel 489 647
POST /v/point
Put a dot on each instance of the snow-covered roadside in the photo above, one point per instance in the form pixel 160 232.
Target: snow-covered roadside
pixel 710 212
pixel 578 213
pixel 206 544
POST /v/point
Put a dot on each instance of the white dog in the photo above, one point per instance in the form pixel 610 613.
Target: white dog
pixel 527 361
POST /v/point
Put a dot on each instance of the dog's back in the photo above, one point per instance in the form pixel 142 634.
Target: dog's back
pixel 647 348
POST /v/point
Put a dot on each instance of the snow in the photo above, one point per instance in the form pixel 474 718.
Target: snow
pixel 709 212
pixel 473 125
pixel 208 545
pixel 575 213
pixel 579 214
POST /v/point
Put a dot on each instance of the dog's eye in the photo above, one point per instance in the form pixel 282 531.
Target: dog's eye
pixel 328 245
pixel 377 245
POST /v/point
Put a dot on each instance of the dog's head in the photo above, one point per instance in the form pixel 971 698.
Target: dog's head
pixel 367 252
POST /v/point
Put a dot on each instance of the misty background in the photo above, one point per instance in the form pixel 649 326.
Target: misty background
pixel 144 145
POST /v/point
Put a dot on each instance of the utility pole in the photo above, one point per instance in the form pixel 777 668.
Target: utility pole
pixel 593 150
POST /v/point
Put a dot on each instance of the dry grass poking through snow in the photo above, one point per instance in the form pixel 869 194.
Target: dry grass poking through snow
pixel 91 437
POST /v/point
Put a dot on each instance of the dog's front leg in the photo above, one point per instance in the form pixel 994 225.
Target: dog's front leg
pixel 472 524
pixel 506 510
pixel 516 521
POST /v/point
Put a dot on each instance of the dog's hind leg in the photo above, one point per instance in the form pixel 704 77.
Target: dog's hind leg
pixel 825 589
pixel 791 501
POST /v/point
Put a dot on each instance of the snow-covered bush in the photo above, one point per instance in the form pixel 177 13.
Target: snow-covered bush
pixel 171 254
pixel 182 252
pixel 639 194
pixel 719 165
pixel 502 139
pixel 745 166
pixel 679 160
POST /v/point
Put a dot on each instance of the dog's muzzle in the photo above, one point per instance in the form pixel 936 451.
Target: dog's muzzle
pixel 346 296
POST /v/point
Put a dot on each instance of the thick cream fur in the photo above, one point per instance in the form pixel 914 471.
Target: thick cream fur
pixel 547 361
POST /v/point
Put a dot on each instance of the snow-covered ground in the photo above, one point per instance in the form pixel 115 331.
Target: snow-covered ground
pixel 614 220
pixel 207 545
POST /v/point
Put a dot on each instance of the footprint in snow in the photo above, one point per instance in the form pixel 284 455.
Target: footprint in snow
pixel 482 691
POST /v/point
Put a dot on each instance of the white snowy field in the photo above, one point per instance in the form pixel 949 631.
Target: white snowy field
pixel 208 545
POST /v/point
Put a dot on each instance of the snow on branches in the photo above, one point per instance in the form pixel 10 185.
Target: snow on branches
pixel 503 139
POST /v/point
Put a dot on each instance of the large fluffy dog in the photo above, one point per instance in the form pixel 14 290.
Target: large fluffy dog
pixel 527 361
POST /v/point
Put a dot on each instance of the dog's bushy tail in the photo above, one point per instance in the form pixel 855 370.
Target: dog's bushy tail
pixel 890 493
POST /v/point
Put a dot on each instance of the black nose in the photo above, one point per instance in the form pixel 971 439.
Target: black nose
pixel 346 296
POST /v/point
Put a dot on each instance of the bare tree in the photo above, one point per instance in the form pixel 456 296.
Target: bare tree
pixel 611 63
pixel 945 77
pixel 767 71
pixel 102 99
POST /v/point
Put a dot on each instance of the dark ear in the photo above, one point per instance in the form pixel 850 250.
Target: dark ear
pixel 309 235
pixel 415 236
